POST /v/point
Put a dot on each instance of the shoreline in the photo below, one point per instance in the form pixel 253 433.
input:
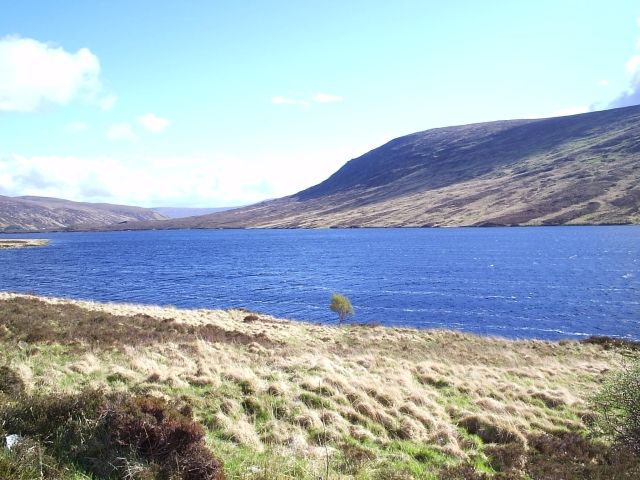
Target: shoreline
pixel 327 227
pixel 188 314
pixel 233 316
pixel 23 243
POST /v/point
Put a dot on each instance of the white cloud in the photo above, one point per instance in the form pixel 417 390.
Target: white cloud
pixel 288 101
pixel 214 180
pixel 120 131
pixel 149 122
pixel 603 83
pixel 632 95
pixel 107 102
pixel 633 64
pixel 76 127
pixel 326 98
pixel 152 123
pixel 33 74
pixel 147 182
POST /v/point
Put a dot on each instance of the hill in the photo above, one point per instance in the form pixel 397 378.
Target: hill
pixel 579 169
pixel 29 214
pixel 182 212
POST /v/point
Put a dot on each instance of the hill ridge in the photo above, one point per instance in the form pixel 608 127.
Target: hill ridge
pixel 30 213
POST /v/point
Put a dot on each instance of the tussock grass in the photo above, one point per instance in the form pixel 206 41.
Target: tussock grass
pixel 280 399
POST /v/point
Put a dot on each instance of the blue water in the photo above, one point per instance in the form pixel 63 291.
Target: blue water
pixel 554 282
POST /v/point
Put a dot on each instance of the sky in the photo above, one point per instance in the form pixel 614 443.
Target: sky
pixel 224 103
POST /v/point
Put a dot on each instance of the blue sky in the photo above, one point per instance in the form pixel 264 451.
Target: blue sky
pixel 204 103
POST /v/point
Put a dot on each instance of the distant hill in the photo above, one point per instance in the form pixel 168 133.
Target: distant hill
pixel 28 214
pixel 579 169
pixel 182 212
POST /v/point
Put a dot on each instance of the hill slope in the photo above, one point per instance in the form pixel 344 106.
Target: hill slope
pixel 182 212
pixel 566 170
pixel 42 213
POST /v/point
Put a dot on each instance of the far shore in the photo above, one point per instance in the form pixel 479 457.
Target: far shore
pixel 23 243
pixel 157 226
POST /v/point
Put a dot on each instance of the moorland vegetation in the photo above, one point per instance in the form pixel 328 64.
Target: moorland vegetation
pixel 124 391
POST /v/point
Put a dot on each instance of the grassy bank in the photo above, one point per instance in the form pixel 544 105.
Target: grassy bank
pixel 285 400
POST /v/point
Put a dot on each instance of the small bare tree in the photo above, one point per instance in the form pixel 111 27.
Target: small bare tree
pixel 342 306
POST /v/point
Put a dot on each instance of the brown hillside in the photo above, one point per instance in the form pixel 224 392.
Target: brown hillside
pixel 20 214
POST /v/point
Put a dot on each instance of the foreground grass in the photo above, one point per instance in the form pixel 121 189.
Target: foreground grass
pixel 285 400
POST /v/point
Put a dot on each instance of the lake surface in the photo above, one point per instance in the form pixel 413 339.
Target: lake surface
pixel 540 282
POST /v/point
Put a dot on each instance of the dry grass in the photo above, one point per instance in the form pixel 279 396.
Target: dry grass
pixel 290 400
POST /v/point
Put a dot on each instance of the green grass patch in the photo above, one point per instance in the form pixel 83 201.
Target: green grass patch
pixel 314 401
